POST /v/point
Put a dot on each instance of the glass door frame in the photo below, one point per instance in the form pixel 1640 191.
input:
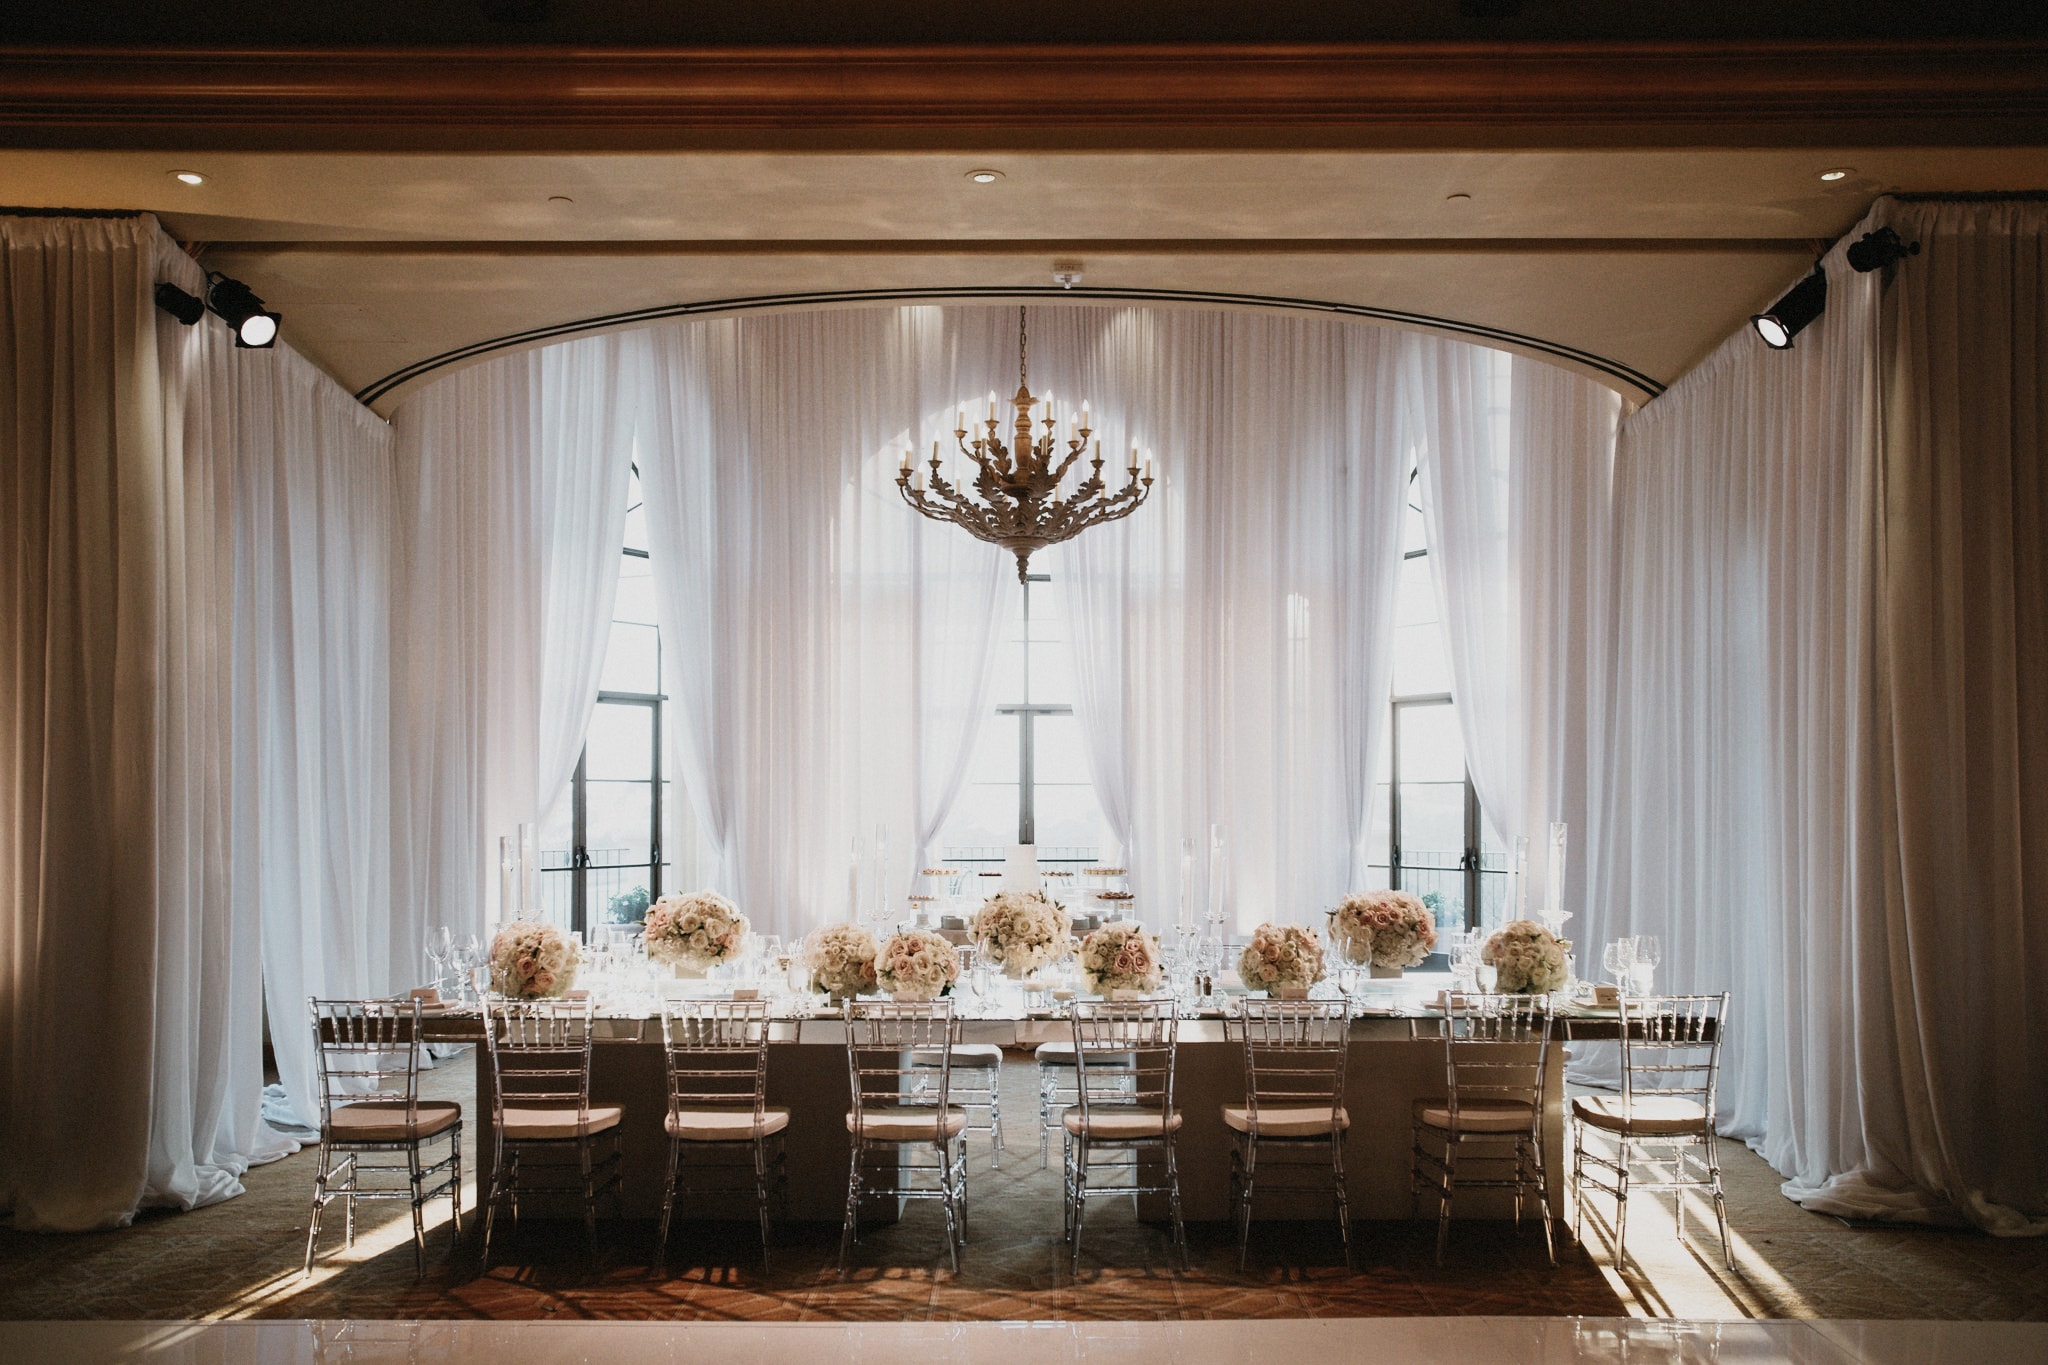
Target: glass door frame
pixel 1469 859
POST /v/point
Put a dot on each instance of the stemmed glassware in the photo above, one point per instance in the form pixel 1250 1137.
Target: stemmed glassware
pixel 1618 960
pixel 438 943
pixel 1649 953
pixel 466 958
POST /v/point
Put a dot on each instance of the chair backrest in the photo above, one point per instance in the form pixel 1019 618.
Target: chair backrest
pixel 1671 1046
pixel 1295 1053
pixel 1495 1049
pixel 717 1054
pixel 540 1055
pixel 366 1049
pixel 899 1053
pixel 1124 1054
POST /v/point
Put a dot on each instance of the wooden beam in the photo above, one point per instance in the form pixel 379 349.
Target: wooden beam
pixel 494 97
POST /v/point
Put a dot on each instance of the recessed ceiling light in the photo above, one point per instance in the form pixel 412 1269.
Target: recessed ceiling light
pixel 984 177
pixel 1837 173
pixel 188 177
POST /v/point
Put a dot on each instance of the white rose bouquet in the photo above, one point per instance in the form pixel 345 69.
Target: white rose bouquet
pixel 841 959
pixel 1383 929
pixel 917 964
pixel 1120 957
pixel 1280 956
pixel 1022 931
pixel 698 930
pixel 532 961
pixel 1529 957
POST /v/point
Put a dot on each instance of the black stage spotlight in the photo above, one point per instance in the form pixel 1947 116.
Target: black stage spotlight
pixel 237 303
pixel 1876 250
pixel 186 308
pixel 1786 318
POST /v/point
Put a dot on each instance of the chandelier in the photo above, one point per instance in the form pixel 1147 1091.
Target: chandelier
pixel 1015 502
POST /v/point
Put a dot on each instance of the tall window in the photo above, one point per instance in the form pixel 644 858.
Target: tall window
pixel 602 857
pixel 1428 829
pixel 1028 780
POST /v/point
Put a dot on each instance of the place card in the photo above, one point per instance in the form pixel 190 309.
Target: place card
pixel 1294 992
pixel 743 993
pixel 1606 997
pixel 427 995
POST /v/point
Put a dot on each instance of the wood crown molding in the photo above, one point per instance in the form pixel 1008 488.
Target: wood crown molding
pixel 51 94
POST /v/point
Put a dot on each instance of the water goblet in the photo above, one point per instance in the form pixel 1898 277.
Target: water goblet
pixel 1618 959
pixel 1347 981
pixel 1489 976
pixel 438 944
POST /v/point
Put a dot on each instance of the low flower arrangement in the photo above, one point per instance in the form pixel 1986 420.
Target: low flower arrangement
pixel 1280 956
pixel 1529 957
pixel 1120 957
pixel 699 930
pixel 841 959
pixel 532 961
pixel 1383 929
pixel 1022 931
pixel 917 964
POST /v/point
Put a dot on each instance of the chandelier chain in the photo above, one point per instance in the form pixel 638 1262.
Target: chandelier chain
pixel 1020 347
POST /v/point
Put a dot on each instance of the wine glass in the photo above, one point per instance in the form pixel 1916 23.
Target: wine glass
pixel 438 942
pixel 466 957
pixel 1649 953
pixel 1618 959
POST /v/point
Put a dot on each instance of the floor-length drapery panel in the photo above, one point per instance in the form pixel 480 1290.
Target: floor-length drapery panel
pixel 512 487
pixel 1740 570
pixel 1956 938
pixel 85 558
pixel 1232 639
pixel 804 609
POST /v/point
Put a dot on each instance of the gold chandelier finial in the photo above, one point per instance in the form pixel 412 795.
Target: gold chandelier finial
pixel 1015 486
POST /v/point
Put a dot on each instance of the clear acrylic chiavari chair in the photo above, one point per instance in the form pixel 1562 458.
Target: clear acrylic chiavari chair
pixel 1490 1119
pixel 539 1054
pixel 1661 1125
pixel 1295 1055
pixel 903 1124
pixel 368 1052
pixel 717 1059
pixel 1124 1055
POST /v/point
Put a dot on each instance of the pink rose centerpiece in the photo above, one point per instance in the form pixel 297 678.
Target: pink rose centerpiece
pixel 916 964
pixel 1022 931
pixel 841 959
pixel 1120 957
pixel 1528 958
pixel 1385 930
pixel 532 961
pixel 1279 957
pixel 699 930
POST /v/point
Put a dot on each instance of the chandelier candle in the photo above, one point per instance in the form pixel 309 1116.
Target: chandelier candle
pixel 1016 501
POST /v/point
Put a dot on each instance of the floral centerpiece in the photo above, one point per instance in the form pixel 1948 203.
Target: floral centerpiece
pixel 532 961
pixel 917 964
pixel 1388 930
pixel 1529 958
pixel 1281 956
pixel 699 930
pixel 1022 931
pixel 841 959
pixel 1120 957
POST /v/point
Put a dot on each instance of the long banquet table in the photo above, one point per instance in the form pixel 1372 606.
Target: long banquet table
pixel 1396 1057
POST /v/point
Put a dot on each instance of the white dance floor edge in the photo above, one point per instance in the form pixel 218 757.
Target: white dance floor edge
pixel 1414 1340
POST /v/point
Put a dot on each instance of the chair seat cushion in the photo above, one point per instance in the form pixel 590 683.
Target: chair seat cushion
pixel 1122 1125
pixel 1477 1116
pixel 964 1054
pixel 1286 1121
pixel 556 1125
pixel 384 1121
pixel 906 1125
pixel 1649 1114
pixel 1055 1054
pixel 725 1125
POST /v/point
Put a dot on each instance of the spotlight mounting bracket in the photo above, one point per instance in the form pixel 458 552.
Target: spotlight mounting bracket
pixel 1878 248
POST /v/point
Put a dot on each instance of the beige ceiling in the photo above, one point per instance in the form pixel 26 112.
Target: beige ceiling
pixel 1645 258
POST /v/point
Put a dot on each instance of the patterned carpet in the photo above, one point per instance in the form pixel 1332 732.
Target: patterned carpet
pixel 241 1259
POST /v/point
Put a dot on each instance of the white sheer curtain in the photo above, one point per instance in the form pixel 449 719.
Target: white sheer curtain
pixel 286 483
pixel 169 499
pixel 1948 953
pixel 1232 639
pixel 826 654
pixel 1515 468
pixel 513 477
